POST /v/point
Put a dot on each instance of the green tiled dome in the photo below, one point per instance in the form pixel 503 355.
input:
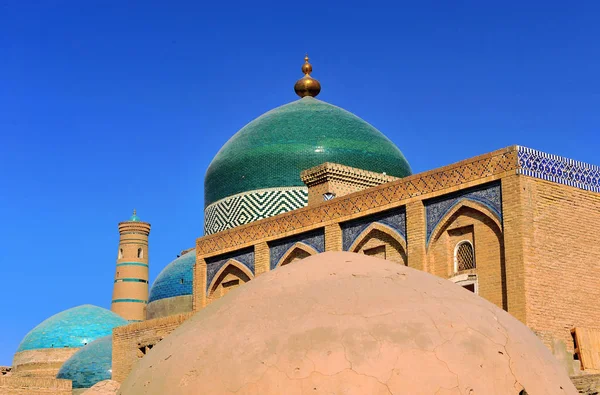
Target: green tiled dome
pixel 272 150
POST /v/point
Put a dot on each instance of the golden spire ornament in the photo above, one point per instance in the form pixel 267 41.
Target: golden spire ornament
pixel 307 86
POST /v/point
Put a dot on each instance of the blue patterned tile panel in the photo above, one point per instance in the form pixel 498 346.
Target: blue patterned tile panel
pixel 490 195
pixel 90 365
pixel 214 264
pixel 74 327
pixel 395 219
pixel 278 248
pixel 558 169
pixel 176 279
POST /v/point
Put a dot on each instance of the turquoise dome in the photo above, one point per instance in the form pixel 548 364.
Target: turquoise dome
pixel 176 279
pixel 74 327
pixel 272 150
pixel 90 365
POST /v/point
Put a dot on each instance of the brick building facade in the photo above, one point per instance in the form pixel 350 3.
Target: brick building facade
pixel 528 223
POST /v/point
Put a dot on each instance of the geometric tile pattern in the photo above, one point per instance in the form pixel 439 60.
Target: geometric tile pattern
pixel 558 169
pixel 278 248
pixel 74 327
pixel 395 219
pixel 89 365
pixel 251 206
pixel 337 209
pixel 214 264
pixel 176 279
pixel 487 194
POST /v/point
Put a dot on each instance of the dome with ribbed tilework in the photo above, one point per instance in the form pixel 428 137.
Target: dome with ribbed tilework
pixel 262 162
pixel 171 292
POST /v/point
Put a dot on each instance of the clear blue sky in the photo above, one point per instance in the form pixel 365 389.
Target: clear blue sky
pixel 110 105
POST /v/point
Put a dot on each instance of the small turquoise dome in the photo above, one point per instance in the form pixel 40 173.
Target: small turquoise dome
pixel 272 150
pixel 90 365
pixel 176 279
pixel 74 327
pixel 134 217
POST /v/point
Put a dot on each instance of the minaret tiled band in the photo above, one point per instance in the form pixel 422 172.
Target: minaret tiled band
pixel 130 289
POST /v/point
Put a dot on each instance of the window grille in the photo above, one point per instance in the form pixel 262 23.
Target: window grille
pixel 465 256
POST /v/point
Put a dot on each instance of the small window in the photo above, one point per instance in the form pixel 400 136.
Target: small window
pixel 120 253
pixel 144 350
pixel 140 253
pixel 464 256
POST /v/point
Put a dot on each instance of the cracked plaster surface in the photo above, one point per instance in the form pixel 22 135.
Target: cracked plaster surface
pixel 343 323
pixel 105 387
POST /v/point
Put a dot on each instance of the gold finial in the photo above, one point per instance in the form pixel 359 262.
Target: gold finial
pixel 307 86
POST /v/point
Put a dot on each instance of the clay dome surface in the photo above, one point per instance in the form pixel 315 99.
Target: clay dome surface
pixel 343 323
pixel 171 292
pixel 106 387
pixel 74 327
pixel 273 149
pixel 89 365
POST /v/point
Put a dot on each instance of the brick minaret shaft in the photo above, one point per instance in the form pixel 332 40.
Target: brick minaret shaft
pixel 130 291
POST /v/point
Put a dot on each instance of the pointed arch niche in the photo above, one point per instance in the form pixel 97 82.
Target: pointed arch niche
pixel 296 252
pixel 473 224
pixel 230 276
pixel 381 241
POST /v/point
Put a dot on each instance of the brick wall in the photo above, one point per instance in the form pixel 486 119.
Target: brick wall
pixel 127 341
pixel 34 386
pixel 562 259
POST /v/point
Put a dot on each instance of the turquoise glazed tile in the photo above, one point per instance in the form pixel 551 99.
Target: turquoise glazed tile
pixel 74 327
pixel 176 279
pixel 90 365
pixel 272 150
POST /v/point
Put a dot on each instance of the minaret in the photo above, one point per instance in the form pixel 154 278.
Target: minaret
pixel 130 291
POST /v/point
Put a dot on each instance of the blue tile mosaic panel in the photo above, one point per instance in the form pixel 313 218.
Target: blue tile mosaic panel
pixel 278 248
pixel 176 279
pixel 558 169
pixel 74 327
pixel 395 219
pixel 490 195
pixel 214 264
pixel 90 365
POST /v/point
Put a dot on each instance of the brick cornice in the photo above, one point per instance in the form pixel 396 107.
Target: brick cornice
pixel 336 172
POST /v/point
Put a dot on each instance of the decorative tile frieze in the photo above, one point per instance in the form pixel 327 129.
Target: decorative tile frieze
pixel 489 195
pixel 395 219
pixel 278 248
pixel 214 264
pixel 251 206
pixel 452 176
pixel 558 169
